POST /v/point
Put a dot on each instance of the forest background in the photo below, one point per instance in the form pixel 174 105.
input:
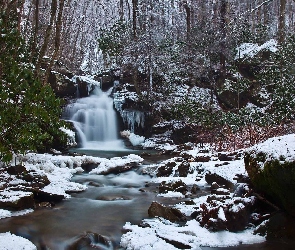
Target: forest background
pixel 160 45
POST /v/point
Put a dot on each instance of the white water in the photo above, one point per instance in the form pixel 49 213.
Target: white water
pixel 95 121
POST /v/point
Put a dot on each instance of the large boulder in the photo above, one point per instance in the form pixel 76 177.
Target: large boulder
pixel 271 168
pixel 172 214
pixel 62 85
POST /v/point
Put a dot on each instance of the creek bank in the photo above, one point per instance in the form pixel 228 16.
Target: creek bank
pixel 42 180
pixel 207 197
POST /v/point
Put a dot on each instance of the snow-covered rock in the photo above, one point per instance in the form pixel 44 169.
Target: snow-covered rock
pixel 10 241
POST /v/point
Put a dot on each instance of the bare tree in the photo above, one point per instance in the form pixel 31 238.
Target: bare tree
pixel 282 17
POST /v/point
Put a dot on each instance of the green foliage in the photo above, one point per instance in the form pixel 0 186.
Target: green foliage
pixel 194 112
pixel 29 110
pixel 278 76
pixel 246 116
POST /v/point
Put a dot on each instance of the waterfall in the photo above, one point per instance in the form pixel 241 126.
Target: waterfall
pixel 95 121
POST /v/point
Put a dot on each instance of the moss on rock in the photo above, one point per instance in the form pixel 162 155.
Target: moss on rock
pixel 273 177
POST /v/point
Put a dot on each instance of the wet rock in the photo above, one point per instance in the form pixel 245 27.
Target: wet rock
pixel 241 178
pixel 178 186
pixel 113 198
pixel 220 191
pixel 225 157
pixel 237 216
pixel 17 200
pixel 223 213
pixel 62 85
pixel 189 202
pixel 16 170
pixel 175 243
pixel 172 214
pixel 202 158
pixel 195 189
pixel 88 166
pixel 210 178
pixel 145 154
pixel 241 190
pixel 24 181
pixel 43 196
pixel 214 186
pixel 95 184
pixel 84 86
pixel 35 180
pixel 91 241
pixel 183 169
pixel 44 205
pixel 166 170
pixel 120 169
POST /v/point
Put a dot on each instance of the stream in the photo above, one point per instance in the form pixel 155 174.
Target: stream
pixel 109 201
pixel 103 208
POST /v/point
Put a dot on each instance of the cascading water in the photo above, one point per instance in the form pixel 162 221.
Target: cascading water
pixel 95 121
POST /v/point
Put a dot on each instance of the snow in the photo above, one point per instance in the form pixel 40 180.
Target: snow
pixel 71 141
pixel 59 170
pixel 4 214
pixel 91 83
pixel 7 214
pixel 192 235
pixel 107 164
pixel 221 214
pixel 252 49
pixel 148 143
pixel 12 242
pixel 278 148
pixel 160 231
pixel 171 194
pixel 134 139
pixel 87 79
pixel 13 196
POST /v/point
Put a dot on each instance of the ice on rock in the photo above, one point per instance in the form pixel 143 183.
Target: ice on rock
pixel 133 118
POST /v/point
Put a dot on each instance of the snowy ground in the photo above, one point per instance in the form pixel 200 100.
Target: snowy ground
pixel 158 233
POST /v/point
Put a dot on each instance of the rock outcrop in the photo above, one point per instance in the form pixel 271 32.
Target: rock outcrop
pixel 271 168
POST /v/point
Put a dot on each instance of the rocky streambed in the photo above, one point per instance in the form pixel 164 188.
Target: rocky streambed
pixel 184 197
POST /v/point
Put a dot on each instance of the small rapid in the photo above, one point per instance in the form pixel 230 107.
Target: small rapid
pixel 107 204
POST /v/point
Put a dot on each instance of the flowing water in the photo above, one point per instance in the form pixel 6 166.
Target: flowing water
pixel 108 203
pixel 95 121
pixel 103 208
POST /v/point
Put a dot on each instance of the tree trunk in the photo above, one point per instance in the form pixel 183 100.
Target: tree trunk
pixel 35 33
pixel 281 26
pixel 188 20
pixel 48 33
pixel 223 27
pixel 134 17
pixel 121 10
pixel 58 30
